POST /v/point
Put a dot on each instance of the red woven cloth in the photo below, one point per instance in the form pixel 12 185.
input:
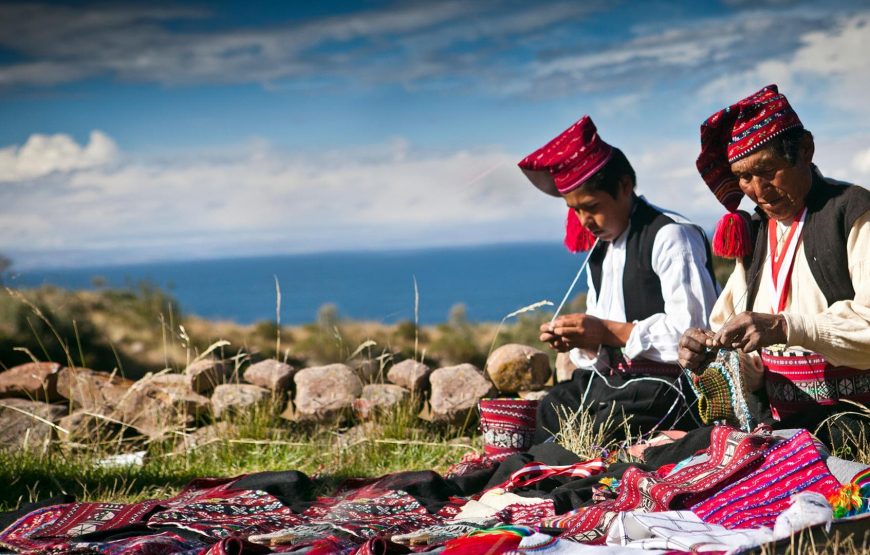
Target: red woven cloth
pixel 507 425
pixel 792 466
pixel 802 380
pixel 731 454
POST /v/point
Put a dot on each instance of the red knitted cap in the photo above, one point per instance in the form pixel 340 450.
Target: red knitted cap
pixel 567 161
pixel 737 131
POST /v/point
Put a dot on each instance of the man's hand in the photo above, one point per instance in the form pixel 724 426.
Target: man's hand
pixel 585 332
pixel 749 331
pixel 694 346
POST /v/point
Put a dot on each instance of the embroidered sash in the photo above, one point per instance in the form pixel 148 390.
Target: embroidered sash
pixel 797 380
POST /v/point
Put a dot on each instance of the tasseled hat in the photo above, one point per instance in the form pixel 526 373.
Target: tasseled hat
pixel 563 165
pixel 727 136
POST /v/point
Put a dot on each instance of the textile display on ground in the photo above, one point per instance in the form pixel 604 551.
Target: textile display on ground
pixel 743 490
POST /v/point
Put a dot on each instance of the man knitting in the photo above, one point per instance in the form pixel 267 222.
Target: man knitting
pixel 799 298
pixel 649 277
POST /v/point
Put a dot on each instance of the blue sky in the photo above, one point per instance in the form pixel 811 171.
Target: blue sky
pixel 144 131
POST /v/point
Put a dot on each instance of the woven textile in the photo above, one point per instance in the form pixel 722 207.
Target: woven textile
pixel 799 380
pixel 791 466
pixel 507 425
pixel 45 528
pixel 722 393
pixel 731 454
pixel 567 161
pixel 221 512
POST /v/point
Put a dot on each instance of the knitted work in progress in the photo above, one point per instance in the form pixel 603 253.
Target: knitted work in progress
pixel 721 392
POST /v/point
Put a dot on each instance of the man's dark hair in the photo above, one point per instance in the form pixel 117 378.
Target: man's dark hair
pixel 607 178
pixel 788 144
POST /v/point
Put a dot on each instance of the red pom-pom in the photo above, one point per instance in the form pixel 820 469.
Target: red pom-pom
pixel 731 238
pixel 577 237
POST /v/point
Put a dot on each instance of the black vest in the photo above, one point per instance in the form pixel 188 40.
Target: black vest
pixel 641 287
pixel 832 209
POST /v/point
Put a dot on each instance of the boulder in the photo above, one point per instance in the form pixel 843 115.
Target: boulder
pixel 455 392
pixel 325 392
pixel 367 369
pixel 533 395
pixel 159 404
pixel 515 367
pixel 91 390
pixel 377 398
pixel 564 367
pixel 204 375
pixel 35 380
pixel 23 423
pixel 233 398
pixel 273 375
pixel 411 375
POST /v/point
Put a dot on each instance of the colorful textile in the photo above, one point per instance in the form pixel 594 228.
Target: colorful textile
pixel 507 425
pixel 722 393
pixel 492 542
pixel 737 131
pixel 535 472
pixel 358 515
pixel 798 380
pixel 731 454
pixel 790 467
pixel 567 161
pixel 57 524
pixel 220 511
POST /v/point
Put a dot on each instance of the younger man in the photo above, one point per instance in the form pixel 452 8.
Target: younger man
pixel 649 278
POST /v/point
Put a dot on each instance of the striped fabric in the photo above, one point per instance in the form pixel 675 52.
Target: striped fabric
pixel 535 472
pixel 791 466
pixel 799 380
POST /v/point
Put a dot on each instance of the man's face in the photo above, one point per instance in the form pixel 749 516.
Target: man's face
pixel 605 216
pixel 777 187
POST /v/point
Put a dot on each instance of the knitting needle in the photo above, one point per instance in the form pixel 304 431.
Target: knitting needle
pixel 573 283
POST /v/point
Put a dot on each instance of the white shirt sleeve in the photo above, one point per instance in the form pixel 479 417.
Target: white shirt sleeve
pixel 679 258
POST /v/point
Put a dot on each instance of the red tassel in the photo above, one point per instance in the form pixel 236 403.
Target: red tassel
pixel 577 237
pixel 731 238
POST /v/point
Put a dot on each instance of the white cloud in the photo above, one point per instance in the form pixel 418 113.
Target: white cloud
pixel 259 199
pixel 829 68
pixel 44 154
pixel 861 162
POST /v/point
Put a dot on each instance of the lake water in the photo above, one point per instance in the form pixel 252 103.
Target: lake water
pixel 491 281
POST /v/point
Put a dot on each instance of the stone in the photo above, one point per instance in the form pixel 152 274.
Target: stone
pixel 378 398
pixel 411 375
pixel 35 380
pixel 455 392
pixel 86 427
pixel 325 392
pixel 159 404
pixel 367 369
pixel 23 423
pixel 515 367
pixel 533 395
pixel 91 390
pixel 274 375
pixel 235 397
pixel 564 367
pixel 204 375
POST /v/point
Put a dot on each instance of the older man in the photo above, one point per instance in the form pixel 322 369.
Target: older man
pixel 649 278
pixel 799 297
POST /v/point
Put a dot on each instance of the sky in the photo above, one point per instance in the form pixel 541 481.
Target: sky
pixel 141 131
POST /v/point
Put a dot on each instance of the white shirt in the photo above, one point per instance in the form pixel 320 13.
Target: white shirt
pixel 679 258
